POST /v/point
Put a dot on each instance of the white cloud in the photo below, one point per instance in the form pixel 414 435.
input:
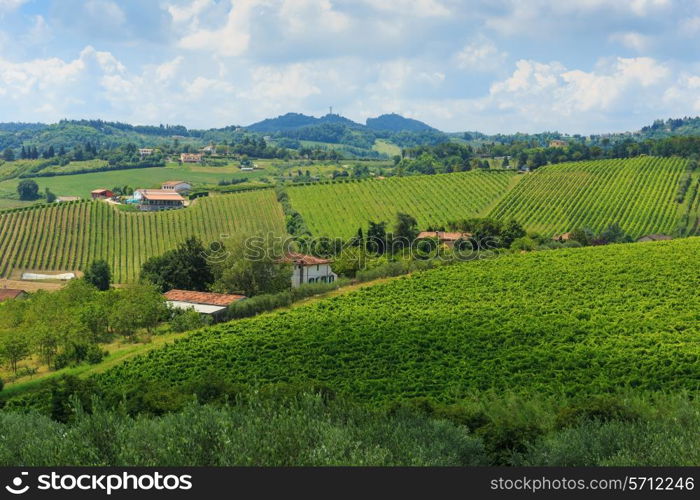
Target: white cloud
pixel 10 5
pixel 106 11
pixel 631 40
pixel 690 26
pixel 230 40
pixel 480 55
pixel 416 8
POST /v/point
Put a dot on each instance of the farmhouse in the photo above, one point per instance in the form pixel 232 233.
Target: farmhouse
pixel 448 239
pixel 191 158
pixel 310 269
pixel 177 186
pixel 101 194
pixel 158 199
pixel 556 143
pixel 10 294
pixel 562 237
pixel 654 237
pixel 208 150
pixel 145 152
pixel 210 304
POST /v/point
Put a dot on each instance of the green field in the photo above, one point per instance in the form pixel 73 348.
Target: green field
pixel 388 148
pixel 637 193
pixel 82 184
pixel 68 236
pixel 575 322
pixel 339 209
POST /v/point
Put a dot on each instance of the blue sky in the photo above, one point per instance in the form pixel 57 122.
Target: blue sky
pixel 577 66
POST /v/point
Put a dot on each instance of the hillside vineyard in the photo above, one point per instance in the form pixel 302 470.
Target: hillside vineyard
pixel 639 194
pixel 69 236
pixel 574 321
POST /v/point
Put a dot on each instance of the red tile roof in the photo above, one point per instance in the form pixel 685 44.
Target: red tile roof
pixel 443 236
pixel 10 293
pixel 305 260
pixel 100 191
pixel 160 195
pixel 205 298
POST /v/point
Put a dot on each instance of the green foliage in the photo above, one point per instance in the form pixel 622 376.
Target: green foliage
pixel 305 430
pixel 638 194
pixel 68 236
pixel 99 275
pixel 27 190
pixel 338 209
pixel 576 321
pixel 186 268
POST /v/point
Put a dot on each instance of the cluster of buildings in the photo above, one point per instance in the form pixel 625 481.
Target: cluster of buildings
pixel 168 197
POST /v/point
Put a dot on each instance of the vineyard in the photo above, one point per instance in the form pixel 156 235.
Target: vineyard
pixel 68 236
pixel 339 209
pixel 639 194
pixel 572 322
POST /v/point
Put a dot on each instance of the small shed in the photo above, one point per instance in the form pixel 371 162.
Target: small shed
pixel 443 237
pixel 206 303
pixel 11 294
pixel 101 194
pixel 562 237
pixel 654 237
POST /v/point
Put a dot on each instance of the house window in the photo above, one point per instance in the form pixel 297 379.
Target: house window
pixel 318 267
pixel 331 278
pixel 324 279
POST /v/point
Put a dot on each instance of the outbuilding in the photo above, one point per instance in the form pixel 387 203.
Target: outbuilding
pixel 206 303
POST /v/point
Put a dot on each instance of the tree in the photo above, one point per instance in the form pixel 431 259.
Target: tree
pixel 253 266
pixel 186 268
pixel 28 190
pixel 99 275
pixel 50 197
pixel 511 231
pixel 376 237
pixel 405 231
pixel 14 347
pixel 8 154
pixel 136 307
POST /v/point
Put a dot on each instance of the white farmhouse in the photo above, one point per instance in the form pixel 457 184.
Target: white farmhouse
pixel 310 269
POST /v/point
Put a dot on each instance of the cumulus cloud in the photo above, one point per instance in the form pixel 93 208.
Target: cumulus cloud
pixel 10 5
pixel 632 40
pixel 480 55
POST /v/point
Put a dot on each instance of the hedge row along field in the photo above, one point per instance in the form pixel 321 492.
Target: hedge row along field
pixel 339 209
pixel 68 236
pixel 637 193
pixel 576 322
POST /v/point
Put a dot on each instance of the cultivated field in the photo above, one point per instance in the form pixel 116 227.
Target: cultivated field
pixel 639 194
pixel 339 209
pixel 69 236
pixel 82 184
pixel 575 322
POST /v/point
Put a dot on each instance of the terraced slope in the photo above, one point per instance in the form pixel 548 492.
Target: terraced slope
pixel 69 236
pixel 339 209
pixel 576 322
pixel 637 193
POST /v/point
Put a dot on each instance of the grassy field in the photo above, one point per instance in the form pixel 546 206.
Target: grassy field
pixel 576 322
pixel 339 209
pixel 639 194
pixel 70 235
pixel 82 184
pixel 386 147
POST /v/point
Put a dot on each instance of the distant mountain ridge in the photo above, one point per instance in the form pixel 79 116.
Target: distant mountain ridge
pixel 293 121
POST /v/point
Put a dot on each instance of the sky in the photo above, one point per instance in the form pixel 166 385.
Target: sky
pixel 574 66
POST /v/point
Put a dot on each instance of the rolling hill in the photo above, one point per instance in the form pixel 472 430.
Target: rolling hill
pixel 639 194
pixel 575 322
pixel 69 236
pixel 339 209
